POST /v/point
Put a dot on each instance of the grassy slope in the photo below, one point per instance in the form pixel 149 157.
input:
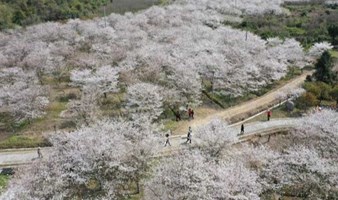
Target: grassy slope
pixel 31 134
pixel 3 182
pixel 307 23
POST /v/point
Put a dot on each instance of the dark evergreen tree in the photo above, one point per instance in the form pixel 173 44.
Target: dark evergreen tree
pixel 324 71
pixel 333 32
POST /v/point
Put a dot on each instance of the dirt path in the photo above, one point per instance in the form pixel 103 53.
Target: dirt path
pixel 15 157
pixel 242 110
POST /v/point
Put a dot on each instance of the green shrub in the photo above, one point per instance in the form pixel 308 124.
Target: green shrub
pixel 334 94
pixel 67 97
pixel 6 16
pixel 325 90
pixel 306 101
pixel 313 88
pixel 67 125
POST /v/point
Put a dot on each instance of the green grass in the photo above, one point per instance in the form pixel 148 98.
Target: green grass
pixel 278 112
pixel 136 196
pixel 327 103
pixel 296 31
pixel 122 6
pixel 20 141
pixel 170 125
pixel 3 182
pixel 334 54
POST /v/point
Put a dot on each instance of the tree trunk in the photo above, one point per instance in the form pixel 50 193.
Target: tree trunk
pixel 137 186
pixel 172 110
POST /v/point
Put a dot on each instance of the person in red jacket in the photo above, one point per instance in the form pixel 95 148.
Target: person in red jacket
pixel 268 114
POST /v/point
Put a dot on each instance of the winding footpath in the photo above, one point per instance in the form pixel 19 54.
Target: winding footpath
pixel 14 157
pixel 245 109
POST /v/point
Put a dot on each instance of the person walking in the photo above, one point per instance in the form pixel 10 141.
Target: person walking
pixel 242 129
pixel 189 135
pixel 189 113
pixel 178 116
pixel 167 142
pixel 39 153
pixel 268 114
pixel 192 114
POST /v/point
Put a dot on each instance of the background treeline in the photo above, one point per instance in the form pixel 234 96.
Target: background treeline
pixel 308 23
pixel 26 12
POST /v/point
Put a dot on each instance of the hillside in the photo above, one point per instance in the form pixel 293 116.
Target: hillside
pixel 108 92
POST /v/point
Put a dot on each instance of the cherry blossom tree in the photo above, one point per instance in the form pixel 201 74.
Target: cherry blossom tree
pixel 318 48
pixel 104 78
pixel 144 99
pixel 304 172
pixel 190 175
pixel 102 161
pixel 215 137
pixel 289 93
pixel 319 131
pixel 21 95
pixel 188 83
pixel 85 110
pixel 256 161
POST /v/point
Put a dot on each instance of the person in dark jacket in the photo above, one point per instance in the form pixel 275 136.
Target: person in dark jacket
pixel 189 135
pixel 242 129
pixel 167 142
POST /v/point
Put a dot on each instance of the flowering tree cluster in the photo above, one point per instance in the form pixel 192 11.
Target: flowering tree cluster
pixel 103 161
pixel 144 99
pixel 177 47
pixel 319 131
pixel 21 95
pixel 304 172
pixel 86 109
pixel 289 93
pixel 246 172
pixel 92 83
pixel 104 78
pixel 190 175
pixel 318 49
pixel 215 138
pixel 308 166
pixel 309 1
pixel 109 159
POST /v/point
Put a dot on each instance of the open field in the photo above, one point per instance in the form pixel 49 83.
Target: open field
pixel 122 6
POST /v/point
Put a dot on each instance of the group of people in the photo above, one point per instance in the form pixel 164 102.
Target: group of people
pixel 190 114
pixel 167 141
